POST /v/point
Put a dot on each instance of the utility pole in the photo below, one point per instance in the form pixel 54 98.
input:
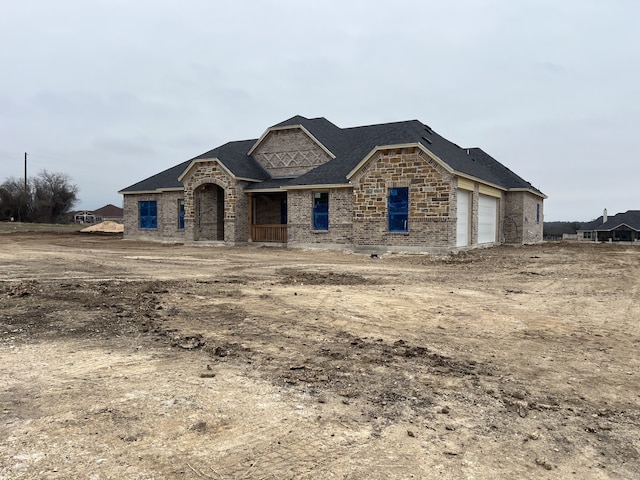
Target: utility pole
pixel 25 173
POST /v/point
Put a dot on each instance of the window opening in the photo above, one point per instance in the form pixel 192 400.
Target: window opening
pixel 398 208
pixel 148 213
pixel 321 210
pixel 181 214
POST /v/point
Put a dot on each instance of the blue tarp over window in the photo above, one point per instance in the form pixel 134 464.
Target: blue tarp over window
pixel 148 214
pixel 398 207
pixel 321 211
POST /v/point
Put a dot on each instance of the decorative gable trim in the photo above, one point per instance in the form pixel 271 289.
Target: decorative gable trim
pixel 623 224
pixel 419 146
pixel 220 164
pixel 291 127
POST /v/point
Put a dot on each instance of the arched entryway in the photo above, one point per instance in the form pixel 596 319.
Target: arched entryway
pixel 208 202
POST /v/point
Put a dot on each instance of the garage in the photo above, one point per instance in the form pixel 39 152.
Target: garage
pixel 463 223
pixel 487 215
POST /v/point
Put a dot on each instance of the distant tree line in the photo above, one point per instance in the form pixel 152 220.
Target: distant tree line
pixel 557 229
pixel 47 198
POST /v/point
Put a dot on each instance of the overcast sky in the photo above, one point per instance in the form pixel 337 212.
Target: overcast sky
pixel 113 91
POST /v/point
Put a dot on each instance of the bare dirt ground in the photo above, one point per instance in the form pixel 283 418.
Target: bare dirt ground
pixel 132 360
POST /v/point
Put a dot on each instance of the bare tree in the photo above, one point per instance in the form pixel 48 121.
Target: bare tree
pixel 49 198
pixel 14 200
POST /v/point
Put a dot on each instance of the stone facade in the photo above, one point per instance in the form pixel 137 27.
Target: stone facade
pixel 289 153
pixel 229 223
pixel 217 207
pixel 432 223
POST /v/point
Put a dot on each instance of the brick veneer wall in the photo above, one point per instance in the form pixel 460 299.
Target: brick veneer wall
pixel 520 225
pixel 289 153
pixel 167 204
pixel 268 209
pixel 300 218
pixel 432 224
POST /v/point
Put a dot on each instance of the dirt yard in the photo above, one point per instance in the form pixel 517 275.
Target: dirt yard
pixel 127 360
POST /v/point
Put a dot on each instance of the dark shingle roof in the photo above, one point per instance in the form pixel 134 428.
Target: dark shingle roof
pixel 163 180
pixel 357 142
pixel 349 146
pixel 109 211
pixel 630 218
pixel 234 156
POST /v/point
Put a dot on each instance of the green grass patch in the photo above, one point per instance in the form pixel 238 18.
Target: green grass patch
pixel 19 227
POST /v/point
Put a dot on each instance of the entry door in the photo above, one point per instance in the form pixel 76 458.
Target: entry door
pixel 487 219
pixel 462 228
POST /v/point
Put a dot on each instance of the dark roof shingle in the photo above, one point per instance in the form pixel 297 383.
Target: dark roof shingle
pixel 349 146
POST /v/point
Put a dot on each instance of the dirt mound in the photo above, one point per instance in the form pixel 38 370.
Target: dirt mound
pixel 105 227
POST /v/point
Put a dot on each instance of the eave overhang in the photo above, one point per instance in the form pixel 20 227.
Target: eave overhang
pixel 220 164
pixel 616 227
pixel 440 162
pixel 157 190
pixel 319 186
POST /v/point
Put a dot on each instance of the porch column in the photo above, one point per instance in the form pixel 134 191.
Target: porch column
pixel 250 209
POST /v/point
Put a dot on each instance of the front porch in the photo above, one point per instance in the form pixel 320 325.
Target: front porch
pixel 268 217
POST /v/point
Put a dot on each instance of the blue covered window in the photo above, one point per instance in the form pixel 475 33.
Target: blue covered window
pixel 148 214
pixel 321 210
pixel 181 214
pixel 398 208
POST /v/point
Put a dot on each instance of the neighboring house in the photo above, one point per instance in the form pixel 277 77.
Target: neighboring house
pixel 308 183
pixel 83 216
pixel 110 213
pixel 622 227
pixel 107 213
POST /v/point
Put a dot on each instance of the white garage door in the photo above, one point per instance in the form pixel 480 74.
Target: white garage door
pixel 487 215
pixel 462 229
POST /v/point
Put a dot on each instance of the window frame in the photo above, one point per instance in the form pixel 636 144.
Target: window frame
pixel 148 214
pixel 181 214
pixel 318 213
pixel 398 210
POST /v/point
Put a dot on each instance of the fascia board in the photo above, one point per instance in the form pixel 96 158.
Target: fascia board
pixel 157 190
pixel 520 189
pixel 220 164
pixel 265 190
pixel 617 226
pixel 323 186
pixel 402 145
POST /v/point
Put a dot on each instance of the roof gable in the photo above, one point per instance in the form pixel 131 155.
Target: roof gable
pixel 318 125
pixel 347 149
pixel 630 218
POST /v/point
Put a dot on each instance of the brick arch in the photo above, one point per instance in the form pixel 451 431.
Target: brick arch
pixel 209 173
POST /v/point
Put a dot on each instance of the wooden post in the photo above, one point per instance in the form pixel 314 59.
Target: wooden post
pixel 250 217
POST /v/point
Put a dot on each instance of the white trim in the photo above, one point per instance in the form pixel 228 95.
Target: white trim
pixel 220 164
pixel 157 190
pixel 322 186
pixel 290 127
pixel 265 190
pixel 479 180
pixel 418 145
pixel 522 189
pixel 440 162
pixel 617 226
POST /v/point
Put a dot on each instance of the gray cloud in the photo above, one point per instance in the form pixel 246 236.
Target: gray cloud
pixel 112 91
